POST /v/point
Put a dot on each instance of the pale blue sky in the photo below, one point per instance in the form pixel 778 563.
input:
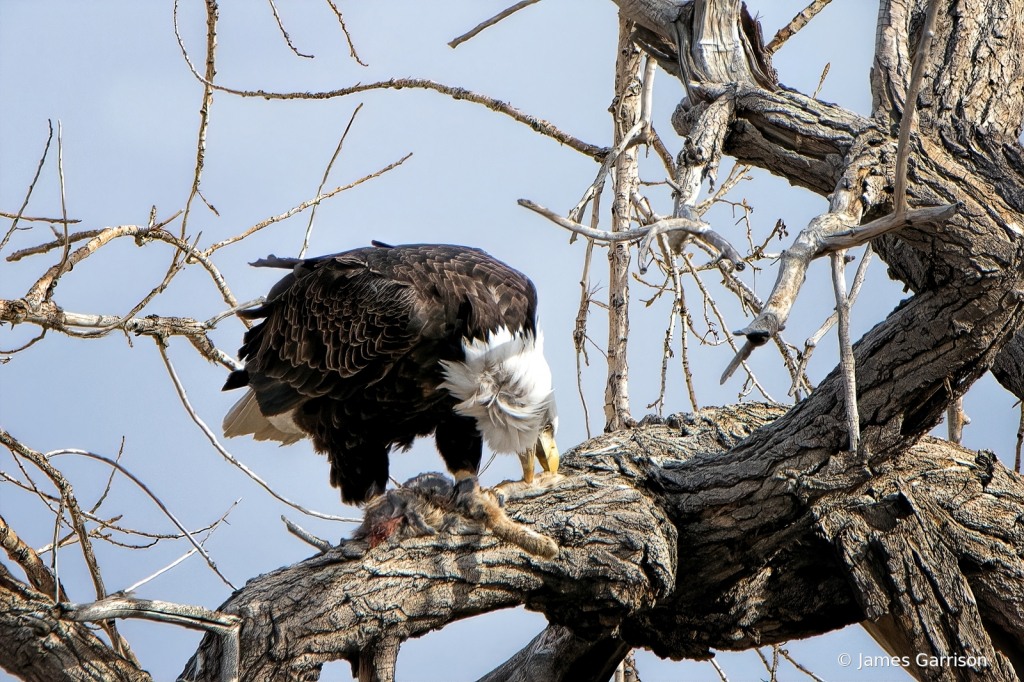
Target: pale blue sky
pixel 113 74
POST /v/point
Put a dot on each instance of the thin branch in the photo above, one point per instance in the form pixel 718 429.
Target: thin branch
pixel 35 219
pixel 846 349
pixel 320 189
pixel 54 567
pixel 194 617
pixel 304 535
pixel 28 195
pixel 721 320
pixel 805 671
pixel 51 316
pixel 539 125
pixel 37 294
pixel 684 320
pixel 858 280
pixel 302 207
pixel 348 37
pixel 579 334
pixel 110 481
pixel 718 669
pixel 698 228
pixel 821 81
pixel 63 209
pixel 287 38
pixel 490 22
pixel 797 23
pixel 49 246
pixel 910 106
pixel 204 109
pixel 152 496
pixel 227 455
pixel 736 175
pixel 662 151
pixel 635 135
pixel 189 553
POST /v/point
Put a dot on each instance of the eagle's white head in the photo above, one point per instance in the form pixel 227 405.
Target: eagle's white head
pixel 505 384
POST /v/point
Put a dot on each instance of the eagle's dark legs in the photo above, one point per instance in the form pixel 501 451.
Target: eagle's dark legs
pixel 460 445
pixel 361 472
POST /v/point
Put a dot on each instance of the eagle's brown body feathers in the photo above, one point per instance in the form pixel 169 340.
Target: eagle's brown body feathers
pixel 350 347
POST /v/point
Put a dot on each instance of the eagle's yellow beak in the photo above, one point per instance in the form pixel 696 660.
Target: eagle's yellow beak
pixel 544 451
pixel 547 450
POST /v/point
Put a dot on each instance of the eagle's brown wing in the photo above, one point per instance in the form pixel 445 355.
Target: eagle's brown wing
pixel 337 321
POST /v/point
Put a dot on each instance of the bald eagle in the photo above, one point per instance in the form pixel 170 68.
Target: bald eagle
pixel 366 350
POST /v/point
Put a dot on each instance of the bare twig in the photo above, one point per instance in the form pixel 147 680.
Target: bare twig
pixel 667 160
pixel 302 207
pixel 684 319
pixel 49 246
pixel 58 519
pixel 797 23
pixel 304 535
pixel 736 175
pixel 36 219
pixel 821 81
pixel 698 228
pixel 909 107
pixel 579 334
pixel 805 671
pixel 539 125
pixel 718 669
pixel 37 294
pixel 846 349
pixel 207 102
pixel 63 209
pixel 635 135
pixel 770 667
pixel 67 495
pixel 721 320
pixel 28 195
pixel 811 343
pixel 287 38
pixel 344 29
pixel 490 22
pixel 320 189
pixel 227 455
pixel 152 496
pixel 187 554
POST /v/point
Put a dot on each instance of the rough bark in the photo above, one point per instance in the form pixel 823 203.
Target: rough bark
pixel 655 555
pixel 38 646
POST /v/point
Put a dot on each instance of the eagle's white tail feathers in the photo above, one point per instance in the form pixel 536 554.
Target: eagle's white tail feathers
pixel 505 384
pixel 245 418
